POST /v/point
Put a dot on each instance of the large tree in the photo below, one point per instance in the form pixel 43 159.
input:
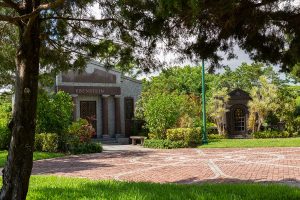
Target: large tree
pixel 64 33
pixel 56 35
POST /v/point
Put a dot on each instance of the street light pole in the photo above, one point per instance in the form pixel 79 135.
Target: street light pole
pixel 204 135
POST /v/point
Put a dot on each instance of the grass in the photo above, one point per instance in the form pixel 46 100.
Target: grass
pixel 36 156
pixel 51 187
pixel 248 143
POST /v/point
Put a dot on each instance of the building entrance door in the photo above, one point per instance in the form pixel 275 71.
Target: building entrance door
pixel 88 112
pixel 239 120
pixel 129 114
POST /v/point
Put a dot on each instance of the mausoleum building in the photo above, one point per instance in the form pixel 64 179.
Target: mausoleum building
pixel 107 97
pixel 237 117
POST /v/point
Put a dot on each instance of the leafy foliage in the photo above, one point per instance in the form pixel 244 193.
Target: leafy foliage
pixel 186 82
pixel 5 116
pixel 217 108
pixel 82 130
pixel 246 76
pixel 189 136
pixel 264 101
pixel 271 134
pixel 85 148
pixel 162 111
pixel 54 112
pixel 47 142
pixel 163 144
pixel 289 108
pixel 78 138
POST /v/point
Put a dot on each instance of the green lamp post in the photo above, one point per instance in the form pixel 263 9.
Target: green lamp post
pixel 204 134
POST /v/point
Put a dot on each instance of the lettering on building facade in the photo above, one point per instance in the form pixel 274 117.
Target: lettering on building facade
pixel 90 90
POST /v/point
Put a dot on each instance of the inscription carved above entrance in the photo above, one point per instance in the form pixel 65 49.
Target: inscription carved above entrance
pixel 90 90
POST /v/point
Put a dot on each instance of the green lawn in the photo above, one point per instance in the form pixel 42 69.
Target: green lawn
pixel 36 156
pixel 240 143
pixel 50 187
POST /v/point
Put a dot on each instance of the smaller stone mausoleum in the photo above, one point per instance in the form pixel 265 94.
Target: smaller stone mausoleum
pixel 106 96
pixel 236 119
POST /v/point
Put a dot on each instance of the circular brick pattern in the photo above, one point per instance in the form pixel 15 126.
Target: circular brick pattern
pixel 181 165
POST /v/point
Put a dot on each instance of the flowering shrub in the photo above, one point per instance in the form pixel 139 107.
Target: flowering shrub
pixel 81 129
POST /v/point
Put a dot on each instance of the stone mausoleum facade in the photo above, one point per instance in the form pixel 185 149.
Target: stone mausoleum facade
pixel 106 97
pixel 237 117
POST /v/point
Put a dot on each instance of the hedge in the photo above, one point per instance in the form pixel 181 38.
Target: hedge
pixel 190 136
pixel 163 144
pixel 271 134
pixel 84 148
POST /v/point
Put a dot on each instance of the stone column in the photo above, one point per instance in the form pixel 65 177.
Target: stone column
pixel 117 115
pixel 105 114
pixel 74 100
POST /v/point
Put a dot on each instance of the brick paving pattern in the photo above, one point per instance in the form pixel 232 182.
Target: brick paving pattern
pixel 181 165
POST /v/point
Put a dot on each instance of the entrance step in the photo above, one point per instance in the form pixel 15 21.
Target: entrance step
pixel 106 139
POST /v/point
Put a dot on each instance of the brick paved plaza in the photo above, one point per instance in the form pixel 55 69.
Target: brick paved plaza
pixel 181 165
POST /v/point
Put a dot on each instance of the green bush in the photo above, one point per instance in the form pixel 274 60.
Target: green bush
pixel 47 142
pixel 5 136
pixel 163 144
pixel 54 112
pixel 161 111
pixel 78 138
pixel 215 136
pixel 38 142
pixel 5 115
pixel 271 134
pixel 88 147
pixel 190 136
pixel 82 130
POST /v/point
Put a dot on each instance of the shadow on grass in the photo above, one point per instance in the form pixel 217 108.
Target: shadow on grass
pixel 59 188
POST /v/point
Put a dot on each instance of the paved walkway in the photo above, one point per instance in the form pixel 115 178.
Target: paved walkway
pixel 133 163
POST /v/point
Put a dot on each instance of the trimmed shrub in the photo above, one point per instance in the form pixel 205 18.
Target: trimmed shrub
pixel 163 144
pixel 271 134
pixel 83 148
pixel 47 142
pixel 190 136
pixel 215 136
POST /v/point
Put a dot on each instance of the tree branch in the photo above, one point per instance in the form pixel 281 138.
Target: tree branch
pixel 6 18
pixel 34 13
pixel 91 20
pixel 10 4
pixel 80 19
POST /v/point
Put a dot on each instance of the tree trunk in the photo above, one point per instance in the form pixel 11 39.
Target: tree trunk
pixel 16 173
pixel 258 126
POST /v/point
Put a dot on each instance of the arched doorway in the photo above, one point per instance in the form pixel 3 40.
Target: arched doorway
pixel 239 117
pixel 239 120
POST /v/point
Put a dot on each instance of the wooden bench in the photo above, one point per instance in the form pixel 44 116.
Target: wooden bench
pixel 135 138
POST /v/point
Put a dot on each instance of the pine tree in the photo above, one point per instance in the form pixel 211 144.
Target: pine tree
pixel 59 34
